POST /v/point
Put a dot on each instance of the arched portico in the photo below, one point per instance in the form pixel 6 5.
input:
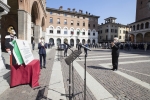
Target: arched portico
pixel 147 37
pixel 131 37
pixel 139 38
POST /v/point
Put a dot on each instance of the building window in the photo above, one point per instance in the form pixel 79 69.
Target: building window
pixel 111 37
pixel 78 32
pixel 58 30
pixel 58 21
pixel 106 37
pixel 51 30
pixel 115 30
pixel 119 37
pixel 65 22
pixel 51 12
pixel 93 25
pixel 83 33
pixel 106 30
pixel 89 25
pixel 51 20
pixel 72 31
pixel 93 34
pixel 72 22
pixel 83 23
pixel 124 31
pixel 112 30
pixel 65 31
pixel 78 23
pixel 88 33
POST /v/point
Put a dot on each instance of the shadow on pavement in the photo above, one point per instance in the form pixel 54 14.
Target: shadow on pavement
pixel 98 67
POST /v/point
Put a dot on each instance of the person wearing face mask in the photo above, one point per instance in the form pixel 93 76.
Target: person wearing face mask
pixel 115 45
pixel 42 46
pixel 8 39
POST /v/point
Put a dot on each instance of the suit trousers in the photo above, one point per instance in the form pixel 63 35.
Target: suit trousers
pixel 115 62
pixel 44 59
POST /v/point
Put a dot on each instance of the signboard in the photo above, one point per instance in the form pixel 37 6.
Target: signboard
pixel 25 51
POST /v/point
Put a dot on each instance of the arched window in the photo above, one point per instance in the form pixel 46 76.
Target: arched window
pixel 78 32
pixel 147 25
pixel 94 33
pixel 58 30
pixel 138 27
pixel 65 22
pixel 83 23
pixel 72 22
pixel 65 31
pixel 51 20
pixel 51 30
pixel 83 32
pixel 142 26
pixel 89 32
pixel 72 31
pixel 78 23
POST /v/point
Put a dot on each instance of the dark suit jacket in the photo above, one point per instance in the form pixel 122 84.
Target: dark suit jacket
pixel 115 49
pixel 42 49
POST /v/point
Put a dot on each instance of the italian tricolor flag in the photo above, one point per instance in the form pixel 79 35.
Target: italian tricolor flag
pixel 16 53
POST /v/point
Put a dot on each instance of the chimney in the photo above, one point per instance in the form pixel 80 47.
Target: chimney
pixel 61 7
pixel 80 11
pixel 68 9
pixel 86 12
pixel 73 9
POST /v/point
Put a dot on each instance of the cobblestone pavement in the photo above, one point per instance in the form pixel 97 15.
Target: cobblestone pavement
pixel 78 84
pixel 121 88
pixel 25 92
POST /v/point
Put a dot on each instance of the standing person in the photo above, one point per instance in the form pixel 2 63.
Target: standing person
pixel 115 45
pixel 42 52
pixel 65 49
pixel 79 46
pixel 9 38
pixel 145 46
pixel 85 50
pixel 33 45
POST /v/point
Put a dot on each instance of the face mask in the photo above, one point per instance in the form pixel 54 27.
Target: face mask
pixel 42 40
pixel 13 32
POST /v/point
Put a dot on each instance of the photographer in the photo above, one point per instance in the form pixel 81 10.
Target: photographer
pixel 42 52
pixel 115 45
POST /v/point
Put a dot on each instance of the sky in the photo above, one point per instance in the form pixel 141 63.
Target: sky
pixel 123 10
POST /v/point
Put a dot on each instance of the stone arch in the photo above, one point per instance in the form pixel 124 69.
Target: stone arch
pixel 89 41
pixel 142 25
pixel 35 16
pixel 77 41
pixel 72 42
pixel 93 41
pixel 51 40
pixel 147 37
pixel 51 26
pixel 147 25
pixel 58 41
pixel 139 37
pixel 83 41
pixel 138 27
pixel 43 24
pixel 131 37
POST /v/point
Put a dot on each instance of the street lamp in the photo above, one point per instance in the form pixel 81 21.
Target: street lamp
pixel 148 4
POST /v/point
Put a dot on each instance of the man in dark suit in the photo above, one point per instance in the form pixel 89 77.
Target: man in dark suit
pixel 115 45
pixel 42 46
pixel 65 49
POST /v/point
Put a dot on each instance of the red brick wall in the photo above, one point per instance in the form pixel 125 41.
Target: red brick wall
pixel 142 10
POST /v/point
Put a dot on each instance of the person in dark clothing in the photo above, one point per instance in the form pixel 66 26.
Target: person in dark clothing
pixel 115 53
pixel 79 46
pixel 9 38
pixel 65 50
pixel 42 46
pixel 33 45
